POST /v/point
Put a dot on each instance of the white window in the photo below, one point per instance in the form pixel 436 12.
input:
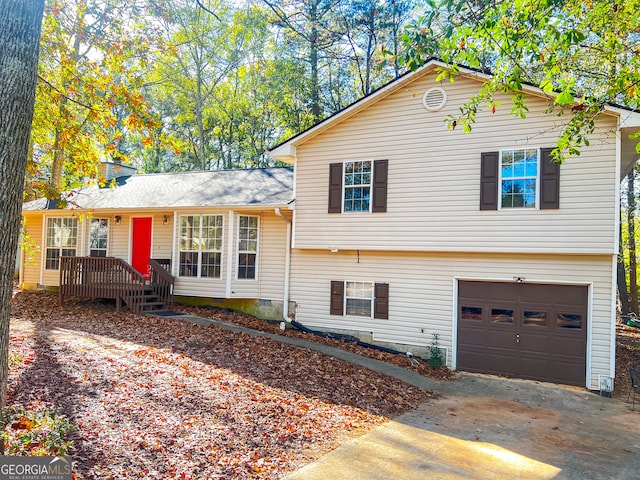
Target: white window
pixel 201 246
pixel 247 247
pixel 98 237
pixel 62 240
pixel 358 299
pixel 519 178
pixel 357 186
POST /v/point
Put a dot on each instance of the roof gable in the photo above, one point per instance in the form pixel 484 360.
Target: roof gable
pixel 286 151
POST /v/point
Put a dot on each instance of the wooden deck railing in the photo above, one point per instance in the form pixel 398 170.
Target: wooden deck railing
pixel 109 277
pixel 162 281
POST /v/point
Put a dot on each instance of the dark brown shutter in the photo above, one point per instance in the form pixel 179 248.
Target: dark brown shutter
pixel 549 180
pixel 337 298
pixel 380 169
pixel 335 188
pixel 489 162
pixel 381 301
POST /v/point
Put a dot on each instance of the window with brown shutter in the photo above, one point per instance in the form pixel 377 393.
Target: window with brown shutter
pixel 357 194
pixel 358 304
pixel 381 301
pixel 549 180
pixel 519 178
pixel 489 162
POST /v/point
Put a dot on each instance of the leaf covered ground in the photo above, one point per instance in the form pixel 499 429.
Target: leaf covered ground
pixel 415 364
pixel 627 354
pixel 162 398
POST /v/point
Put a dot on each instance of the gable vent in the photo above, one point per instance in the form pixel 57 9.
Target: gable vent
pixel 434 99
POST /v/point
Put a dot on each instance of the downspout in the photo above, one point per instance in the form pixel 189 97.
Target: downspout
pixel 287 267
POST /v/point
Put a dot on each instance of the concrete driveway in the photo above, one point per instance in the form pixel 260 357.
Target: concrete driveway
pixel 492 428
pixel 483 427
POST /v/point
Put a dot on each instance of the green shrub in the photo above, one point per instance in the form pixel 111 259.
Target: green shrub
pixel 36 432
pixel 436 358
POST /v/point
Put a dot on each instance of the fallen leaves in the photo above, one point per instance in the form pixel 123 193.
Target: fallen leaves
pixel 166 399
pixel 627 354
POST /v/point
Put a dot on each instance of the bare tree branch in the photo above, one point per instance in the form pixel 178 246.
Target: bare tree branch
pixel 207 10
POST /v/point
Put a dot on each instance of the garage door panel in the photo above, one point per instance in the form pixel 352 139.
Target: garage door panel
pixel 474 360
pixel 534 343
pixel 573 347
pixel 535 367
pixel 505 340
pixel 522 329
pixel 566 369
pixel 500 362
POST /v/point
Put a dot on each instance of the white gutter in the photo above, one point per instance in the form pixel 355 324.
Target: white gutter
pixel 287 268
pixel 230 234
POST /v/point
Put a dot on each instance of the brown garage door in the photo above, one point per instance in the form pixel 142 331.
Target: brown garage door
pixel 525 330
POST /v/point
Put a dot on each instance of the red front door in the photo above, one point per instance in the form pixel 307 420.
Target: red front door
pixel 141 244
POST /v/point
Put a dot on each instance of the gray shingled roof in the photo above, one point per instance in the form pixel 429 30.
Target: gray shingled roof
pixel 265 186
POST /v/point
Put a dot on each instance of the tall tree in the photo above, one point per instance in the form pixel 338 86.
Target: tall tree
pixel 371 30
pixel 623 293
pixel 204 50
pixel 584 51
pixel 311 24
pixel 88 98
pixel 20 22
pixel 631 227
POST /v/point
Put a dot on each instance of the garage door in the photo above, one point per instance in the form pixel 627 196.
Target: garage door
pixel 525 330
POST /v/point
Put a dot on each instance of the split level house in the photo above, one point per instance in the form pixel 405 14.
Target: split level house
pixel 391 228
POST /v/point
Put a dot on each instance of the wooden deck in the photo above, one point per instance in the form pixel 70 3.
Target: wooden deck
pixel 110 277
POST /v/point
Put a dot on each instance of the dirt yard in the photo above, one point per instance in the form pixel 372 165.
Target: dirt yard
pixel 161 398
pixel 158 398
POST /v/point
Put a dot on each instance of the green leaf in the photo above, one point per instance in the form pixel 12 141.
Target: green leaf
pixel 564 98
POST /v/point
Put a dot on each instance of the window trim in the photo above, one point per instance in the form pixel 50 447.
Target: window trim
pixel 379 305
pixel 240 252
pixel 537 178
pixel 372 298
pixel 199 251
pixel 60 248
pixel 378 189
pixel 106 250
pixel 344 185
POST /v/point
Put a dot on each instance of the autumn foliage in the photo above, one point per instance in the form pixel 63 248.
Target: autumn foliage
pixel 162 398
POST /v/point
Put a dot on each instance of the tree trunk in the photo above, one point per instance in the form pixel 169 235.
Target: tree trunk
pixel 371 25
pixel 59 143
pixel 623 293
pixel 20 22
pixel 316 111
pixel 199 119
pixel 631 225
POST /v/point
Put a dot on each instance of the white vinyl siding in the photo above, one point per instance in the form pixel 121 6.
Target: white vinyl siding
pixel 32 257
pixel 422 305
pixel 434 181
